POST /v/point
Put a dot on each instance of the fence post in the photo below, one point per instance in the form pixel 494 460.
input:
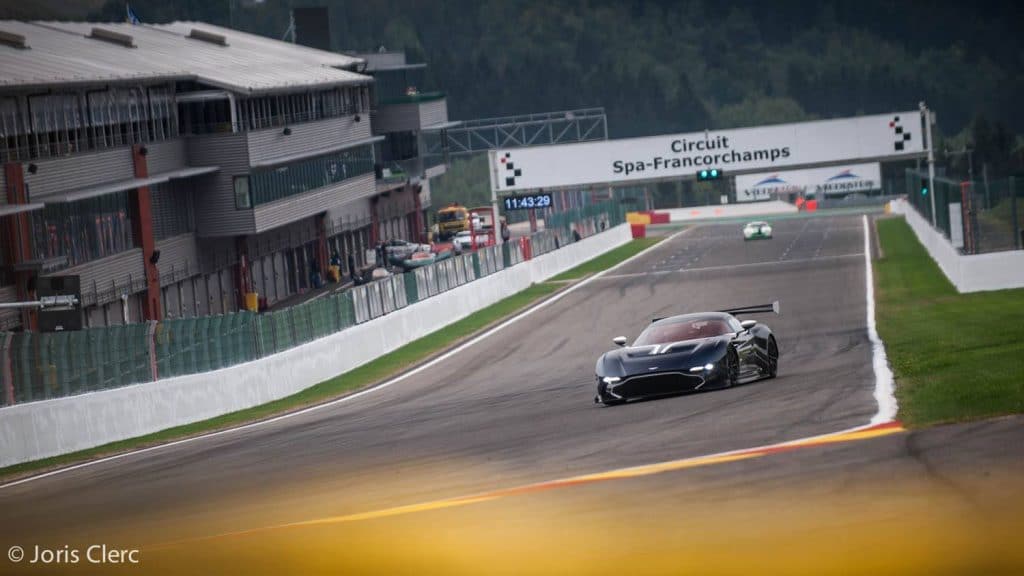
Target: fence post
pixel 411 288
pixel 1017 240
pixel 6 373
pixel 273 329
pixel 151 346
pixel 256 325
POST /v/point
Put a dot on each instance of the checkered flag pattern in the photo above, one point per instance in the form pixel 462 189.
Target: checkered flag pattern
pixel 511 172
pixel 899 135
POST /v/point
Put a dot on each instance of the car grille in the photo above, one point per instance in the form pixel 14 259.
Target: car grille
pixel 660 383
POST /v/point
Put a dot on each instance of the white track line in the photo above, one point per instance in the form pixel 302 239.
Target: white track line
pixel 351 397
pixel 884 387
pixel 793 243
pixel 772 263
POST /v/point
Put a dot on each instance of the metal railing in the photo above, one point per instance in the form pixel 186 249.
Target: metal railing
pixel 976 216
pixel 482 134
pixel 36 366
pixel 273 121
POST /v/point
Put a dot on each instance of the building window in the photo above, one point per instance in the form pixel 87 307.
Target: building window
pixel 209 117
pixel 400 146
pixel 172 210
pixel 299 177
pixel 79 232
pixel 63 123
pixel 242 197
pixel 280 110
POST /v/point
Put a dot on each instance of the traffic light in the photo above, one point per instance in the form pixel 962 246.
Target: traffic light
pixel 709 174
pixel 924 186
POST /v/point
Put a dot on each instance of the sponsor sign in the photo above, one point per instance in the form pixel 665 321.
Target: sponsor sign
pixel 741 150
pixel 819 182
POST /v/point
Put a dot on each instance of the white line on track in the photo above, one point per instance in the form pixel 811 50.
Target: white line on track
pixel 824 238
pixel 458 349
pixel 770 263
pixel 885 394
pixel 793 243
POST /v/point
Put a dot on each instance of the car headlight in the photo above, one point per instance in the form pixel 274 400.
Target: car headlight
pixel 705 368
pixel 611 379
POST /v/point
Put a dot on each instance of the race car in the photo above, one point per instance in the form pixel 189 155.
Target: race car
pixel 757 230
pixel 687 353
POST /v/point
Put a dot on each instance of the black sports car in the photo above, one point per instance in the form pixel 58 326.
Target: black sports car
pixel 689 352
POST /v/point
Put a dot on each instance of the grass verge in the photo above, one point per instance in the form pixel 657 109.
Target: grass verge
pixel 374 372
pixel 956 357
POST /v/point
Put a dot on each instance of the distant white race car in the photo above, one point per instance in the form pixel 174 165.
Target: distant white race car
pixel 757 230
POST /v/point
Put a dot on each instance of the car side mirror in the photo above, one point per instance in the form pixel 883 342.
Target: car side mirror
pixel 748 324
pixel 619 340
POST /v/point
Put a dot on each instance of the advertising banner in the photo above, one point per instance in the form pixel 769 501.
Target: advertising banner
pixel 818 182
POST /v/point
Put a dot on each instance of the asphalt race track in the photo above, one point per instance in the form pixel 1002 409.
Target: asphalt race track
pixel 514 408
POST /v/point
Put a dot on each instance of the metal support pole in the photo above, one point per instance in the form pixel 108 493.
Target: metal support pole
pixel 6 370
pixel 984 177
pixel 151 346
pixel 491 156
pixel 931 158
pixel 1017 240
pixel 65 302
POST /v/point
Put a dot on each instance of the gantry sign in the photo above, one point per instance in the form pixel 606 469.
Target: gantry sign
pixel 744 150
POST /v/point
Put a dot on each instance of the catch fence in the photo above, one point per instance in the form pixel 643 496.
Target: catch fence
pixel 40 366
pixel 976 216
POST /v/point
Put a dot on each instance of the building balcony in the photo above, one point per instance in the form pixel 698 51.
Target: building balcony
pixel 411 112
pixel 268 145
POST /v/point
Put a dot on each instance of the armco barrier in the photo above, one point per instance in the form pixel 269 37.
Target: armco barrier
pixel 50 427
pixel 968 273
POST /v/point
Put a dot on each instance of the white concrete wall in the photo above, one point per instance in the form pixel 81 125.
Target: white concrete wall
pixel 730 210
pixel 47 428
pixel 969 273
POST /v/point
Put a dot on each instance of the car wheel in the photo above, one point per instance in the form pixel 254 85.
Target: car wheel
pixel 732 369
pixel 773 358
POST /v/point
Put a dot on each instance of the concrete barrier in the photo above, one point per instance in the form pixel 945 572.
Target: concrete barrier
pixel 968 273
pixel 51 427
pixel 730 210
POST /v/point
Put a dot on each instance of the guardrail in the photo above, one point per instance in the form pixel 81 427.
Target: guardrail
pixel 36 366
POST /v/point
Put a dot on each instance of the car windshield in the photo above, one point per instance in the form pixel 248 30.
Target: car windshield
pixel 682 330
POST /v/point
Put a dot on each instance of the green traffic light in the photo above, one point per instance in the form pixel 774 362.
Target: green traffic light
pixel 924 191
pixel 703 173
pixel 714 173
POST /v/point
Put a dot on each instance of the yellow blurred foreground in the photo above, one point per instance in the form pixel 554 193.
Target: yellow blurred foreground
pixel 664 524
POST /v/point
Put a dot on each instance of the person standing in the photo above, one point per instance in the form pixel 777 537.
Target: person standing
pixel 352 267
pixel 506 234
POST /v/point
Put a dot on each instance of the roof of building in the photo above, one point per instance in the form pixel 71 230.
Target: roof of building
pixel 97 53
pixel 383 61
